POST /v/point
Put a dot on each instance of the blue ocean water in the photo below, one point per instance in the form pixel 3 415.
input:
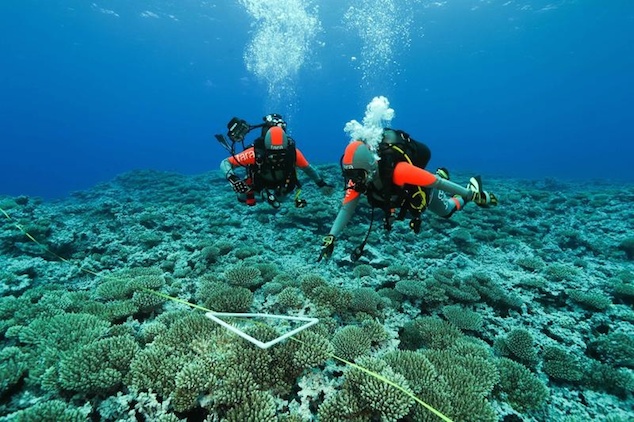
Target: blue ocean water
pixel 520 312
pixel 512 88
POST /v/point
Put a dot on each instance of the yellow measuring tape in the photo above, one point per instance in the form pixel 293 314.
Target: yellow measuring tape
pixel 332 355
pixel 202 308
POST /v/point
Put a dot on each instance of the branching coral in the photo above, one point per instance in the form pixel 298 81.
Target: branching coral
pixel 98 367
pixel 366 299
pixel 310 350
pixel 411 289
pixel 614 348
pixel 593 300
pixel 191 380
pixel 518 386
pixel 290 297
pixel 462 318
pixel 627 246
pixel 375 396
pixel 342 406
pixel 519 345
pixel 468 378
pixel 155 368
pixel 220 297
pixel 257 406
pixel 12 367
pixel 351 342
pixel 560 364
pixel 54 410
pixel 124 291
pixel 363 270
pixel 158 367
pixel 244 276
pixel 429 332
pixel 51 338
pixel 603 377
pixel 493 293
pixel 624 291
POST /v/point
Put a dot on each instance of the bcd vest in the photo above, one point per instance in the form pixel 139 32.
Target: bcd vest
pixel 390 196
pixel 274 170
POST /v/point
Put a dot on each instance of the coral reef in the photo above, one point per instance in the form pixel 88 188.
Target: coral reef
pixel 512 313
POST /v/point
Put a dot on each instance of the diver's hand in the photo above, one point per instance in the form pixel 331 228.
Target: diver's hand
pixel 325 187
pixel 237 185
pixel 327 247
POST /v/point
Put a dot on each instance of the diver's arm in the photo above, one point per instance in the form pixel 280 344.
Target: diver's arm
pixel 226 168
pixel 245 158
pixel 346 212
pixel 310 171
pixel 408 174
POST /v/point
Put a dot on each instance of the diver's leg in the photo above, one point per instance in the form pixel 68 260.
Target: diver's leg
pixel 442 204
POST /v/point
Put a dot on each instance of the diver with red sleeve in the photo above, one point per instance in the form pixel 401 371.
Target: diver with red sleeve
pixel 270 163
pixel 394 179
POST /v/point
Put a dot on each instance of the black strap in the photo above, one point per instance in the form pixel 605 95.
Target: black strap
pixel 271 198
pixel 358 251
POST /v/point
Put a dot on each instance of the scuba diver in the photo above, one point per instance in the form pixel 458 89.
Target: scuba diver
pixel 392 176
pixel 271 163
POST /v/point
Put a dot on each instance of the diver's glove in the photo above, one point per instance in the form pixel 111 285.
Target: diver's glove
pixel 481 197
pixel 237 185
pixel 415 224
pixel 325 187
pixel 323 184
pixel 327 247
pixel 443 173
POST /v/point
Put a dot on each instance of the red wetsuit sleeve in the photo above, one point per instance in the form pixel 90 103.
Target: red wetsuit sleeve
pixel 300 160
pixel 408 174
pixel 245 158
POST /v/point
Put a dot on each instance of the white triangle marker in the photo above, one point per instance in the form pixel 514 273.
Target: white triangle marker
pixel 214 316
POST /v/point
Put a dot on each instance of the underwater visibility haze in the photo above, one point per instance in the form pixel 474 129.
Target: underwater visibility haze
pixel 526 88
pixel 119 230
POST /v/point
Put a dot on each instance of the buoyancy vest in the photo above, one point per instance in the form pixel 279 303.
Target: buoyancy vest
pixel 274 169
pixel 389 196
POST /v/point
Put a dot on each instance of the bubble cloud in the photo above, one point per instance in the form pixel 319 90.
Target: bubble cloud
pixel 378 115
pixel 284 33
pixel 382 29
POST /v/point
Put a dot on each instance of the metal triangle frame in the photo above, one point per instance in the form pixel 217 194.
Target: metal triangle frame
pixel 215 316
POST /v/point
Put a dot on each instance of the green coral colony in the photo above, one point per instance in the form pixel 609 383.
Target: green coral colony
pixel 529 321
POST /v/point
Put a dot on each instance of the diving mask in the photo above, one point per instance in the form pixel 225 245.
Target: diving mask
pixel 357 179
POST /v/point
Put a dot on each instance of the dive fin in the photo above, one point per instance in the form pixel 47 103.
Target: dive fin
pixel 223 141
